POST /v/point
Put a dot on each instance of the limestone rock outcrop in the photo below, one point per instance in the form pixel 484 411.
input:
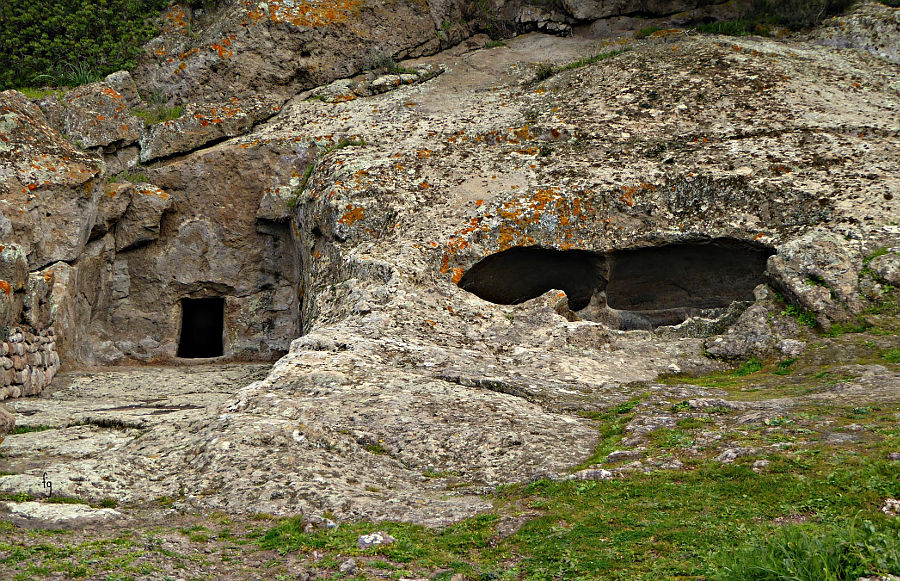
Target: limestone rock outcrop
pixel 346 225
pixel 76 242
pixel 7 422
pixel 48 187
pixel 204 124
pixel 870 26
pixel 246 47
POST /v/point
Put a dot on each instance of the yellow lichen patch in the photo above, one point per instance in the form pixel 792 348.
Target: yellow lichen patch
pixel 352 215
pixel 48 277
pixel 313 13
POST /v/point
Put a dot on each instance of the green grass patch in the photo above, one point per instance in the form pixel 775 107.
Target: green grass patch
pixel 546 70
pixel 784 367
pixel 738 27
pixel 298 191
pixel 803 316
pixel 344 142
pixel 134 177
pixel 762 15
pixel 159 114
pixel 891 355
pixel 752 365
pixel 815 553
pixel 839 329
pixel 375 448
pixel 873 255
pixel 39 93
pixel 65 500
pixel 610 425
pixel 590 60
pixel 28 429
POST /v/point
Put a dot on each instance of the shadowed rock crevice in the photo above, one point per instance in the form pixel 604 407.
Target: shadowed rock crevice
pixel 522 273
pixel 639 288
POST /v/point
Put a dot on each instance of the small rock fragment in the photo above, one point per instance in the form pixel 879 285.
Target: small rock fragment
pixel 760 465
pixel 619 455
pixel 374 539
pixel 348 566
pixel 591 474
pixel 731 454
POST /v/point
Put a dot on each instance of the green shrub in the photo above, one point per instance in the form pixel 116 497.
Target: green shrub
pixel 761 15
pixel 752 365
pixel 833 554
pixel 71 42
pixel 739 27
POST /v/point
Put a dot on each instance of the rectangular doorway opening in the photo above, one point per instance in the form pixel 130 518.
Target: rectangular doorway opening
pixel 202 323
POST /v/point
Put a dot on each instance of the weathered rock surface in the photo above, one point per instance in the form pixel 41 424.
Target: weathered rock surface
pixel 48 187
pixel 57 516
pixel 202 124
pixel 887 267
pixel 405 385
pixel 820 273
pixel 87 242
pixel 97 115
pixel 281 46
pixel 870 26
pixel 140 222
pixel 7 421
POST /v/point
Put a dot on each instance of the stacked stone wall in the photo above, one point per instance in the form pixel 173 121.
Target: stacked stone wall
pixel 28 362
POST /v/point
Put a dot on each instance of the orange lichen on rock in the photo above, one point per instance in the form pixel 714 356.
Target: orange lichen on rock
pixel 313 13
pixel 153 192
pixel 628 193
pixel 5 287
pixel 352 215
pixel 110 92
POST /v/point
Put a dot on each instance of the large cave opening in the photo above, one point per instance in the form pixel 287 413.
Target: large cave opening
pixel 700 275
pixel 525 272
pixel 202 324
pixel 629 289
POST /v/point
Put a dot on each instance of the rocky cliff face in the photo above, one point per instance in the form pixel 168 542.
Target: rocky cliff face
pixel 118 256
pixel 765 165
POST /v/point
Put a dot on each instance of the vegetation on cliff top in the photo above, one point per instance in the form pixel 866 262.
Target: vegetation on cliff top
pixel 71 42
